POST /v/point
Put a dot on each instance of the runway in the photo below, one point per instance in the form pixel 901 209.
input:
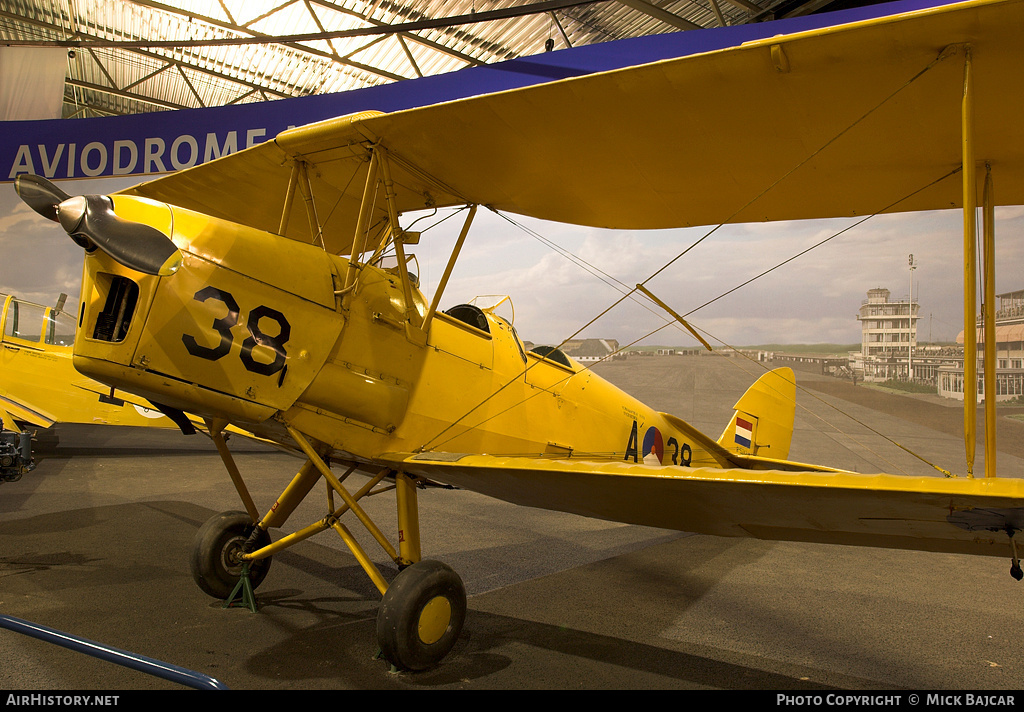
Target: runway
pixel 95 542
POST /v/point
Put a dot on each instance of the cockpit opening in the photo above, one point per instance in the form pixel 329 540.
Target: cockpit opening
pixel 553 354
pixel 469 314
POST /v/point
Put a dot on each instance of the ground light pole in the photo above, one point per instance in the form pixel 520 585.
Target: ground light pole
pixel 910 323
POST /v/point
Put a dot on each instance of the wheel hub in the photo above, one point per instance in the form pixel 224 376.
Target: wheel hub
pixel 434 619
pixel 229 555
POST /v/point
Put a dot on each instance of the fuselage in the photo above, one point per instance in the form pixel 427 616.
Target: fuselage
pixel 254 329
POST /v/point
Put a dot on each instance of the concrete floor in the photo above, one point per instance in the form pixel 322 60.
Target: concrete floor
pixel 95 542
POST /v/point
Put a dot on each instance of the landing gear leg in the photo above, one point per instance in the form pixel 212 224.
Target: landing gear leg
pixel 423 609
pixel 1015 570
pixel 422 612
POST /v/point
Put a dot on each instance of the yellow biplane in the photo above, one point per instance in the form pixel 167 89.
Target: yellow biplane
pixel 271 290
pixel 40 387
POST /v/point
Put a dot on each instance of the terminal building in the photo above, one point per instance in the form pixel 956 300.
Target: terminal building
pixel 889 348
pixel 1009 333
pixel 888 337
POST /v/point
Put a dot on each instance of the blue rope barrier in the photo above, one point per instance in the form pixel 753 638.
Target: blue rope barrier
pixel 150 666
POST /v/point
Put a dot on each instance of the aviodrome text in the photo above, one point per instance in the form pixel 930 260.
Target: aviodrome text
pixel 124 156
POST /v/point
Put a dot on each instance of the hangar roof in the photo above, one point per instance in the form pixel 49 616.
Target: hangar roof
pixel 136 56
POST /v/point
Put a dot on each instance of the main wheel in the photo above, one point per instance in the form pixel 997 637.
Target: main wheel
pixel 214 562
pixel 421 615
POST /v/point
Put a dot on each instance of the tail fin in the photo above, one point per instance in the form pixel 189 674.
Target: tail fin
pixel 763 422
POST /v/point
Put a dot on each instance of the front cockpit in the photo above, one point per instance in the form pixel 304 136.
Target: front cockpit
pixel 29 324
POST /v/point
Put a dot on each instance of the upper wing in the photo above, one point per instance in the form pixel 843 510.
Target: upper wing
pixel 833 122
pixel 955 515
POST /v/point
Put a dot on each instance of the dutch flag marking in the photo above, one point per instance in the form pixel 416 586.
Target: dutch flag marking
pixel 744 432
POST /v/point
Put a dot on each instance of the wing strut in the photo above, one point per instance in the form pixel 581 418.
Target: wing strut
pixel 397 234
pixel 359 239
pixel 989 305
pixel 286 210
pixel 970 189
pixel 970 258
pixel 448 269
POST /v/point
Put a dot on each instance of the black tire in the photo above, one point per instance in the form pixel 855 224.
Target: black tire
pixel 421 616
pixel 213 567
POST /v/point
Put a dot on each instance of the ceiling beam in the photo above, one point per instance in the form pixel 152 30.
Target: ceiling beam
pixel 718 13
pixel 431 44
pixel 248 36
pixel 663 15
pixel 807 8
pixel 289 40
pixel 99 88
pixel 746 5
pixel 277 93
pixel 561 30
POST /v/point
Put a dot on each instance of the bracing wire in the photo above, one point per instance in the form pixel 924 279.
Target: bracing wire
pixel 846 229
pixel 430 444
pixel 608 279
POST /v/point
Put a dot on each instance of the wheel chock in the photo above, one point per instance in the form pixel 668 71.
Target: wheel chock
pixel 379 655
pixel 243 594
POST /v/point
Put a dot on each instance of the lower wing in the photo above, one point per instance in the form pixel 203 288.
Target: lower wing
pixel 79 402
pixel 954 515
pixel 13 411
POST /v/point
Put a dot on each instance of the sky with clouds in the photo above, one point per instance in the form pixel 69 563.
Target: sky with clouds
pixel 813 299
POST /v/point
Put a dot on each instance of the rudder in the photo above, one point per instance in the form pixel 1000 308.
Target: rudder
pixel 763 421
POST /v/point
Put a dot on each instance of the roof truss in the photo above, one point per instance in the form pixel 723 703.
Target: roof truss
pixel 134 56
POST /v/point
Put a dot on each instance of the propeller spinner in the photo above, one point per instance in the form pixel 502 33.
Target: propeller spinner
pixel 90 220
